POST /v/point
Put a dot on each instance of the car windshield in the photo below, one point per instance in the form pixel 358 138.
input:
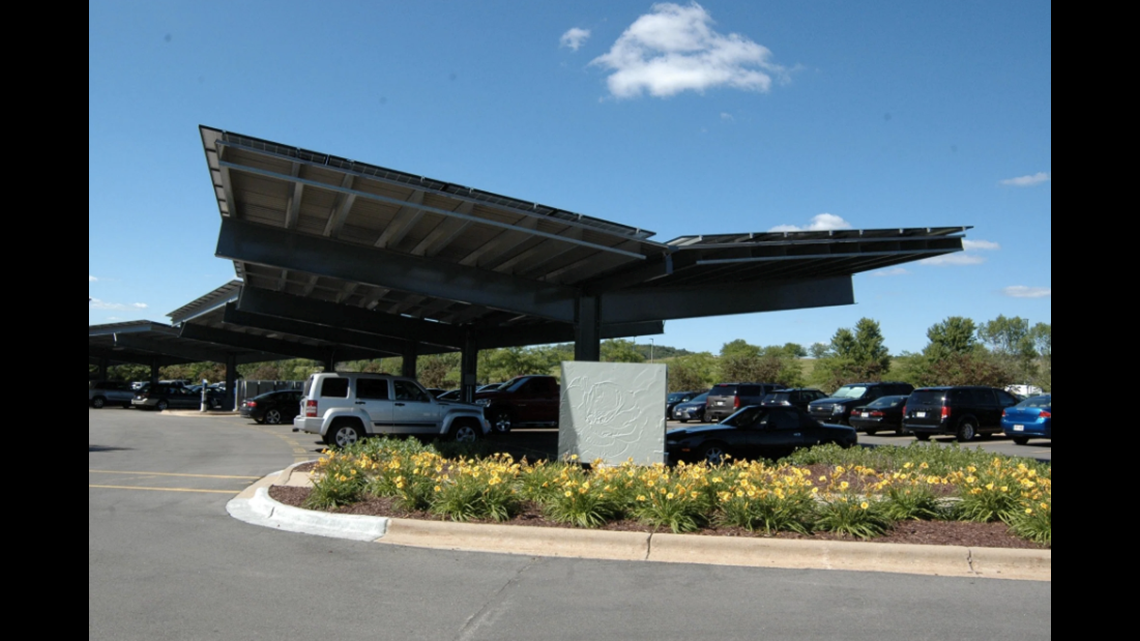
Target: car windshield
pixel 850 391
pixel 700 399
pixel 676 397
pixel 1037 401
pixel 513 385
pixel 746 417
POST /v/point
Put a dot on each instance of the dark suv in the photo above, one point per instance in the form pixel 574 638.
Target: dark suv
pixel 837 407
pixel 800 398
pixel 726 398
pixel 964 411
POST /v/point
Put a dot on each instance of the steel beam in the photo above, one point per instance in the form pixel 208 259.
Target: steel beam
pixel 260 301
pixel 379 344
pixel 700 301
pixel 274 346
pixel 275 247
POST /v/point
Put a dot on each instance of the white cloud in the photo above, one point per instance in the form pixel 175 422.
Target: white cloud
pixel 969 245
pixel 1028 181
pixel 819 222
pixel 1021 291
pixel 726 116
pixel 91 279
pixel 102 304
pixel 574 38
pixel 954 259
pixel 894 271
pixel 674 48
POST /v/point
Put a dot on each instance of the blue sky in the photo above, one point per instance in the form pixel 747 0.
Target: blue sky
pixel 680 118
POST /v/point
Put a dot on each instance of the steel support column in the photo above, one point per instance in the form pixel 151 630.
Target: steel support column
pixel 588 329
pixel 468 367
pixel 408 366
pixel 229 400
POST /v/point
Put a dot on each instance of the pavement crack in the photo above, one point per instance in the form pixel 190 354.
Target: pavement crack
pixel 648 546
pixel 492 608
pixel 970 561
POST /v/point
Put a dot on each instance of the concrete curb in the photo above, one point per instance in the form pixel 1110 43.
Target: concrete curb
pixel 255 506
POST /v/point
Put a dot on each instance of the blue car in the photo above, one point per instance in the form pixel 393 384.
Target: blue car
pixel 1031 418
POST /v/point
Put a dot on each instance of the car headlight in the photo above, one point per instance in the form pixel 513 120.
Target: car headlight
pixel 836 409
pixel 483 401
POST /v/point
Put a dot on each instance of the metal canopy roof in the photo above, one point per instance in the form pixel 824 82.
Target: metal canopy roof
pixel 330 242
pixel 147 342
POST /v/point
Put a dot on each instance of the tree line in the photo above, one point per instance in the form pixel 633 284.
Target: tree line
pixel 998 352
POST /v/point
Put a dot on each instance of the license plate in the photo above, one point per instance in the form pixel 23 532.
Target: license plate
pixel 866 414
pixel 1019 428
pixel 920 414
pixel 719 403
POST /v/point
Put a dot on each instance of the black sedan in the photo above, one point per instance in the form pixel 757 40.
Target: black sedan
pixel 676 398
pixel 273 408
pixel 882 415
pixel 693 410
pixel 755 432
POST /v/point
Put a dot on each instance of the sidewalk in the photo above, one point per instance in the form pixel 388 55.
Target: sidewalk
pixel 255 506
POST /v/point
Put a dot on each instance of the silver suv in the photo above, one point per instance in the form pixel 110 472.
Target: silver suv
pixel 344 407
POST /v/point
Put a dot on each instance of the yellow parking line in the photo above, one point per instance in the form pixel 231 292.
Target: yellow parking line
pixel 163 489
pixel 201 476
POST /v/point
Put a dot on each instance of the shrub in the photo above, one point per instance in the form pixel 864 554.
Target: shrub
pixel 336 481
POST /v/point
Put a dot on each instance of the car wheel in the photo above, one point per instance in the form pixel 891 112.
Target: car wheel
pixel 273 417
pixel 214 404
pixel 464 432
pixel 683 420
pixel 501 422
pixel 714 454
pixel 922 436
pixel 127 405
pixel 98 402
pixel 900 431
pixel 343 434
pixel 259 421
pixel 871 432
pixel 161 405
pixel 967 431
pixel 1021 440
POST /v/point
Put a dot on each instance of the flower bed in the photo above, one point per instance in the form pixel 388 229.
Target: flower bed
pixel 819 490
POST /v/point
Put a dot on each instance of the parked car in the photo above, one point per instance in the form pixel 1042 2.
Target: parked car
pixel 726 398
pixel 344 407
pixel 754 432
pixel 171 396
pixel 1031 418
pixel 103 393
pixel 274 408
pixel 881 415
pixel 454 395
pixel 965 411
pixel 797 397
pixel 674 398
pixel 693 410
pixel 837 407
pixel 523 401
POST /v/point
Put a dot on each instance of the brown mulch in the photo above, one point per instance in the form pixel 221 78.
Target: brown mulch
pixel 990 535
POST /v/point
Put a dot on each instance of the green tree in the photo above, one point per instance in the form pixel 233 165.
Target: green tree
pixel 955 335
pixel 692 372
pixel 795 350
pixel 618 350
pixel 858 355
pixel 818 350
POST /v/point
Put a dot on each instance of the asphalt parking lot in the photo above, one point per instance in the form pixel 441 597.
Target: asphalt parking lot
pixel 166 561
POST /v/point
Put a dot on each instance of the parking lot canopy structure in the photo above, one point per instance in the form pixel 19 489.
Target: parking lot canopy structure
pixel 329 241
